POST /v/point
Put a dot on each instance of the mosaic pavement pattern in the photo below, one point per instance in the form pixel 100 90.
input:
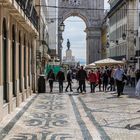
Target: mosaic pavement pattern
pixel 72 116
pixel 48 118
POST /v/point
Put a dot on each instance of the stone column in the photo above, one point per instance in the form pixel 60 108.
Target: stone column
pixel 1 83
pixel 34 76
pixel 130 30
pixel 93 44
pixel 60 46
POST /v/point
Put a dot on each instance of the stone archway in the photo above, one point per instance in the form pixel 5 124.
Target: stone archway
pixel 88 11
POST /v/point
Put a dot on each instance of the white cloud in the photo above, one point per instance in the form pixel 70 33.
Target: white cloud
pixel 106 4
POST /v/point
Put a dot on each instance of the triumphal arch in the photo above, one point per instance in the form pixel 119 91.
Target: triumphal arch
pixel 91 11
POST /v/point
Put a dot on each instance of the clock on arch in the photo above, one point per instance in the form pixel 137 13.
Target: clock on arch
pixel 75 2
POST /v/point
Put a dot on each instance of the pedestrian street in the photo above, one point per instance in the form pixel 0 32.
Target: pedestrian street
pixel 73 116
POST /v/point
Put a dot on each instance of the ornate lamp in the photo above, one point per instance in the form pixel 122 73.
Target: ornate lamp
pixel 123 36
pixel 62 27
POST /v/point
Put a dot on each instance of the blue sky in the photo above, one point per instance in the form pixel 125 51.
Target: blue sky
pixel 74 31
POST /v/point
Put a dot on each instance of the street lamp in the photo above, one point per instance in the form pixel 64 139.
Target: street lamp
pixel 62 27
pixel 123 36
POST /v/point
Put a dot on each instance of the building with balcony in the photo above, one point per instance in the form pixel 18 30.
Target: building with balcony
pixel 104 38
pixel 52 20
pixel 122 29
pixel 43 38
pixel 18 37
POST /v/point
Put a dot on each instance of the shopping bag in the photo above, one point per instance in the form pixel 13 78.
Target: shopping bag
pixel 137 91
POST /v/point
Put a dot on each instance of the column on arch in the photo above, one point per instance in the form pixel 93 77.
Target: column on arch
pixel 93 44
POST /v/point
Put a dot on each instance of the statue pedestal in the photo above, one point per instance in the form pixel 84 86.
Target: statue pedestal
pixel 69 59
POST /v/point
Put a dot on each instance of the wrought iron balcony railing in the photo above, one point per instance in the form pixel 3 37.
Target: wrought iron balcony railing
pixel 29 10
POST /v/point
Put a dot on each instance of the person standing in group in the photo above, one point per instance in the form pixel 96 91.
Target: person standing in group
pixel 92 78
pixel 118 76
pixel 60 77
pixel 51 79
pixel 128 75
pixel 105 80
pixel 132 77
pixel 69 80
pixel 111 80
pixel 77 81
pixel 99 78
pixel 82 76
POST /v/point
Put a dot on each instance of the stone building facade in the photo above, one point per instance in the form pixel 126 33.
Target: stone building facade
pixel 18 36
pixel 122 29
pixel 43 38
pixel 88 11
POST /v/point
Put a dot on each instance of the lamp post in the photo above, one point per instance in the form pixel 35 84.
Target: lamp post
pixel 61 47
pixel 62 27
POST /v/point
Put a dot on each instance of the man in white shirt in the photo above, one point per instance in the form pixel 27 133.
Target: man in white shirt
pixel 118 76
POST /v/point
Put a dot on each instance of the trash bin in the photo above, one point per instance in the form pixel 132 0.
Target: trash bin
pixel 41 84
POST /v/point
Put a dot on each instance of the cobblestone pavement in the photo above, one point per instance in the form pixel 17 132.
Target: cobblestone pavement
pixel 72 116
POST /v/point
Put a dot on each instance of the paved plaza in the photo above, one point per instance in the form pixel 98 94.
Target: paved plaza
pixel 73 116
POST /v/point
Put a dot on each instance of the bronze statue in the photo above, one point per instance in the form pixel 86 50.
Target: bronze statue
pixel 68 44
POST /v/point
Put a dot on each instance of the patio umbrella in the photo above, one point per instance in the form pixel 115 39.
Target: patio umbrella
pixel 108 62
pixel 90 66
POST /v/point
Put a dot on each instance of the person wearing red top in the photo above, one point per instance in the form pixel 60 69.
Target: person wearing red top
pixel 92 78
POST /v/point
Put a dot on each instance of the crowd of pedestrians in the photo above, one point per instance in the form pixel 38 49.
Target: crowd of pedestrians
pixel 105 78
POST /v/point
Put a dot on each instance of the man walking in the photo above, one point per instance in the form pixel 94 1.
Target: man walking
pixel 60 77
pixel 82 76
pixel 118 76
pixel 69 80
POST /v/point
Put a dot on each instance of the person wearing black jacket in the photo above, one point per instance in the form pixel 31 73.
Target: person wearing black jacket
pixel 82 76
pixel 51 78
pixel 60 77
pixel 69 80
